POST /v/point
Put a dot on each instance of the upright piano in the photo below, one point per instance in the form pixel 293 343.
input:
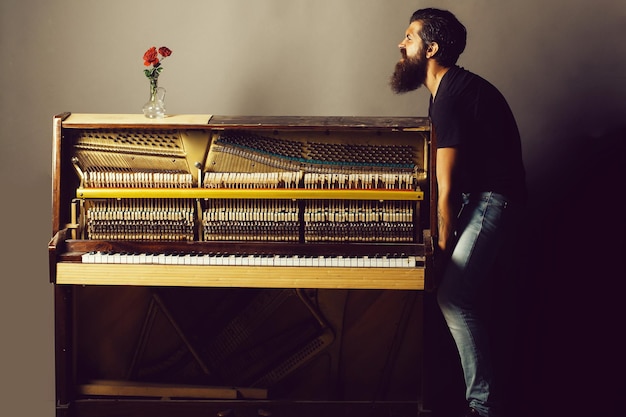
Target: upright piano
pixel 216 265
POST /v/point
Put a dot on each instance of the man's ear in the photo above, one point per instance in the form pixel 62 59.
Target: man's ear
pixel 432 49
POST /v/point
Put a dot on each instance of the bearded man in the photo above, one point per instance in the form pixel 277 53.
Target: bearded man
pixel 480 186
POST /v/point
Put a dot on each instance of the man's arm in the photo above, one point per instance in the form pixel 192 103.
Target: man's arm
pixel 446 207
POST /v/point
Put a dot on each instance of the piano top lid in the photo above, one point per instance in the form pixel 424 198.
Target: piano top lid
pixel 92 120
pixel 321 122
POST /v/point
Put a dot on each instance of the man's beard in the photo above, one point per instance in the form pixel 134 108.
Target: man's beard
pixel 409 74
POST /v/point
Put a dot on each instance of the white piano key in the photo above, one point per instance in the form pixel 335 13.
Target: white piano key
pixel 116 258
pixel 87 258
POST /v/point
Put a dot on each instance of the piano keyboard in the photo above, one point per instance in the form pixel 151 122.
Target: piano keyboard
pixel 384 261
pixel 325 198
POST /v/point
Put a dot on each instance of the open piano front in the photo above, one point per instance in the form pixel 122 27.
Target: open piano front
pixel 204 264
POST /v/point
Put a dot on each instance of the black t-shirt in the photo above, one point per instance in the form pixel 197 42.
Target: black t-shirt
pixel 471 114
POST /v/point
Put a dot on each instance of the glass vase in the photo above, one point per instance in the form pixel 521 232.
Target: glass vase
pixel 155 107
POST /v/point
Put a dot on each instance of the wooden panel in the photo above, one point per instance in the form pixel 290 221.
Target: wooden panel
pixel 240 276
pixel 90 121
pixel 225 193
pixel 321 122
pixel 143 389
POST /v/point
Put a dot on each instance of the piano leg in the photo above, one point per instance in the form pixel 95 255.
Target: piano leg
pixel 64 355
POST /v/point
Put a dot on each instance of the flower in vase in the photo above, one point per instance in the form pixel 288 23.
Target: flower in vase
pixel 152 59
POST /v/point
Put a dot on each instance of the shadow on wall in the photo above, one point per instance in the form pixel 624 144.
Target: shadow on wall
pixel 556 322
pixel 575 361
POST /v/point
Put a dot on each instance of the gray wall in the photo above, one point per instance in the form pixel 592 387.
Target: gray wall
pixel 561 63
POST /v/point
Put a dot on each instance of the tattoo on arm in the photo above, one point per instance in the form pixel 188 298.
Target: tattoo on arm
pixel 440 222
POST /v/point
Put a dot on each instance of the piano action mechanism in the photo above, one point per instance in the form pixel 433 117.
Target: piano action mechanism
pixel 211 258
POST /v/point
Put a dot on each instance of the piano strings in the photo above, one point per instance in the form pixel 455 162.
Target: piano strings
pixel 247 161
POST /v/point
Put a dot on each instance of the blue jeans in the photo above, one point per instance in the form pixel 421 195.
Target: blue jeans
pixel 483 225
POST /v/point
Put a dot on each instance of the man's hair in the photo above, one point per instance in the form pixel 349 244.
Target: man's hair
pixel 442 27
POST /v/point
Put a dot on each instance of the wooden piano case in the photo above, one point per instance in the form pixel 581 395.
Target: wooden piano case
pixel 283 310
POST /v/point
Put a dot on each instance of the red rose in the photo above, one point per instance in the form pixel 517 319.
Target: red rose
pixel 165 51
pixel 150 57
